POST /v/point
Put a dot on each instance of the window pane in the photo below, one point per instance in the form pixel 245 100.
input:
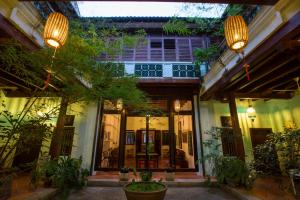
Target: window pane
pixel 111 138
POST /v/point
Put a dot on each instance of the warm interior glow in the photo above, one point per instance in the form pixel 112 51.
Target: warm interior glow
pixel 177 106
pixel 55 33
pixel 238 45
pixel 52 43
pixel 119 104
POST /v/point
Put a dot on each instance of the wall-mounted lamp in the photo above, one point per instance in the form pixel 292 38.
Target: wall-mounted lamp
pixel 177 105
pixel 251 112
pixel 119 104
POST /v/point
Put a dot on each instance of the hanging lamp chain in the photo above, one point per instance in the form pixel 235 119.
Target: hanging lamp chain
pixel 245 65
pixel 49 70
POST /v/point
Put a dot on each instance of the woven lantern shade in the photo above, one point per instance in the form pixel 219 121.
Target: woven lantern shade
pixel 236 33
pixel 56 30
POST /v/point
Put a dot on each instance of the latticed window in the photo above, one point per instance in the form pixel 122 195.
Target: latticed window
pixel 118 70
pixel 149 70
pixel 184 70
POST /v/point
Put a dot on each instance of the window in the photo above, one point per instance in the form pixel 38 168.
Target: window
pixel 169 43
pixel 155 44
pixel 184 71
pixel 148 70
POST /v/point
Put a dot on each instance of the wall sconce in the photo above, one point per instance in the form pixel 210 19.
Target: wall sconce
pixel 119 104
pixel 177 105
pixel 251 112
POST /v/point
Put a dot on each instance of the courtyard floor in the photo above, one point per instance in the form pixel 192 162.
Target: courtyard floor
pixel 175 193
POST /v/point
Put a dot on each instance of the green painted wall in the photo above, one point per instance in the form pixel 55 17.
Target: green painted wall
pixel 269 114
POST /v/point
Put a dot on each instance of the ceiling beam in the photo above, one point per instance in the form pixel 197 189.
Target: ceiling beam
pixel 253 2
pixel 265 95
pixel 289 30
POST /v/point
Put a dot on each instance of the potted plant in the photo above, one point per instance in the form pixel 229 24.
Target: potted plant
pixel 123 174
pixel 145 189
pixel 170 174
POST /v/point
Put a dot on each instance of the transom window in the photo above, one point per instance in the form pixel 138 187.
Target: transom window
pixel 149 70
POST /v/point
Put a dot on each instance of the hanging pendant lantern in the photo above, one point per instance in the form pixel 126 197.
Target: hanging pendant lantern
pixel 236 33
pixel 237 37
pixel 56 30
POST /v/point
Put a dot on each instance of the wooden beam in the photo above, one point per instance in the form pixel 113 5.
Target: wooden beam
pixel 236 127
pixel 287 31
pixel 265 95
pixel 9 29
pixel 270 67
pixel 253 2
pixel 284 72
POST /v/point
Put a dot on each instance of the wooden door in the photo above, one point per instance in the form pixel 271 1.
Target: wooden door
pixel 259 135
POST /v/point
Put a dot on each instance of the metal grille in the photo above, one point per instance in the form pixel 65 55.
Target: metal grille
pixel 183 70
pixel 148 70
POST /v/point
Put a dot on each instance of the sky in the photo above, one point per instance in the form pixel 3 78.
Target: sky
pixel 148 9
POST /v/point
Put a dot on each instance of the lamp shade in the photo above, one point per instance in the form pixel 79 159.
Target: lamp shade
pixel 56 30
pixel 236 32
pixel 177 105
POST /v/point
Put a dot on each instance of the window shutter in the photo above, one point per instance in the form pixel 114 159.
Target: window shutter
pixel 184 53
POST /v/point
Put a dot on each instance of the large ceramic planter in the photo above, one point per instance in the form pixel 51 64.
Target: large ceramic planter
pixel 155 195
pixel 5 184
pixel 170 176
pixel 123 176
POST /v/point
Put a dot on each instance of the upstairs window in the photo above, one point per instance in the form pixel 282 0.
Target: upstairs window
pixel 155 44
pixel 169 43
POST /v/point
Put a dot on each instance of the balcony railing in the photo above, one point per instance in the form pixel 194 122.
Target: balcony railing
pixel 160 70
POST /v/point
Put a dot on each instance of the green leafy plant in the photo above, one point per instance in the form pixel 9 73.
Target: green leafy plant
pixel 124 170
pixel 146 175
pixel 19 130
pixel 230 170
pixel 283 147
pixel 65 173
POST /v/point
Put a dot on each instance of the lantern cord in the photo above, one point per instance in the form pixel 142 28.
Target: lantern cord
pixel 246 66
pixel 47 81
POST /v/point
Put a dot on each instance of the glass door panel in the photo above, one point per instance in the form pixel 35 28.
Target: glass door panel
pixel 158 143
pixel 184 156
pixel 110 142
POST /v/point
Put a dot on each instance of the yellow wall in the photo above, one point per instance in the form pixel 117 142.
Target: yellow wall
pixel 85 124
pixel 269 114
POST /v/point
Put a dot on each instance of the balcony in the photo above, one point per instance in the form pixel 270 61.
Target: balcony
pixel 165 70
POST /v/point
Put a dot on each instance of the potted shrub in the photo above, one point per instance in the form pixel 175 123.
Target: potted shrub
pixel 145 189
pixel 170 174
pixel 123 174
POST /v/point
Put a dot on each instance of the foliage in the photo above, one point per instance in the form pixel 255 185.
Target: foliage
pixel 285 146
pixel 227 169
pixel 266 159
pixel 230 170
pixel 176 26
pixel 22 130
pixel 146 176
pixel 66 174
pixel 145 186
pixel 79 59
pixel 124 170
pixel 205 55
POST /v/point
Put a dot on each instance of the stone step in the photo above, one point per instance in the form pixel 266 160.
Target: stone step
pixel 117 183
